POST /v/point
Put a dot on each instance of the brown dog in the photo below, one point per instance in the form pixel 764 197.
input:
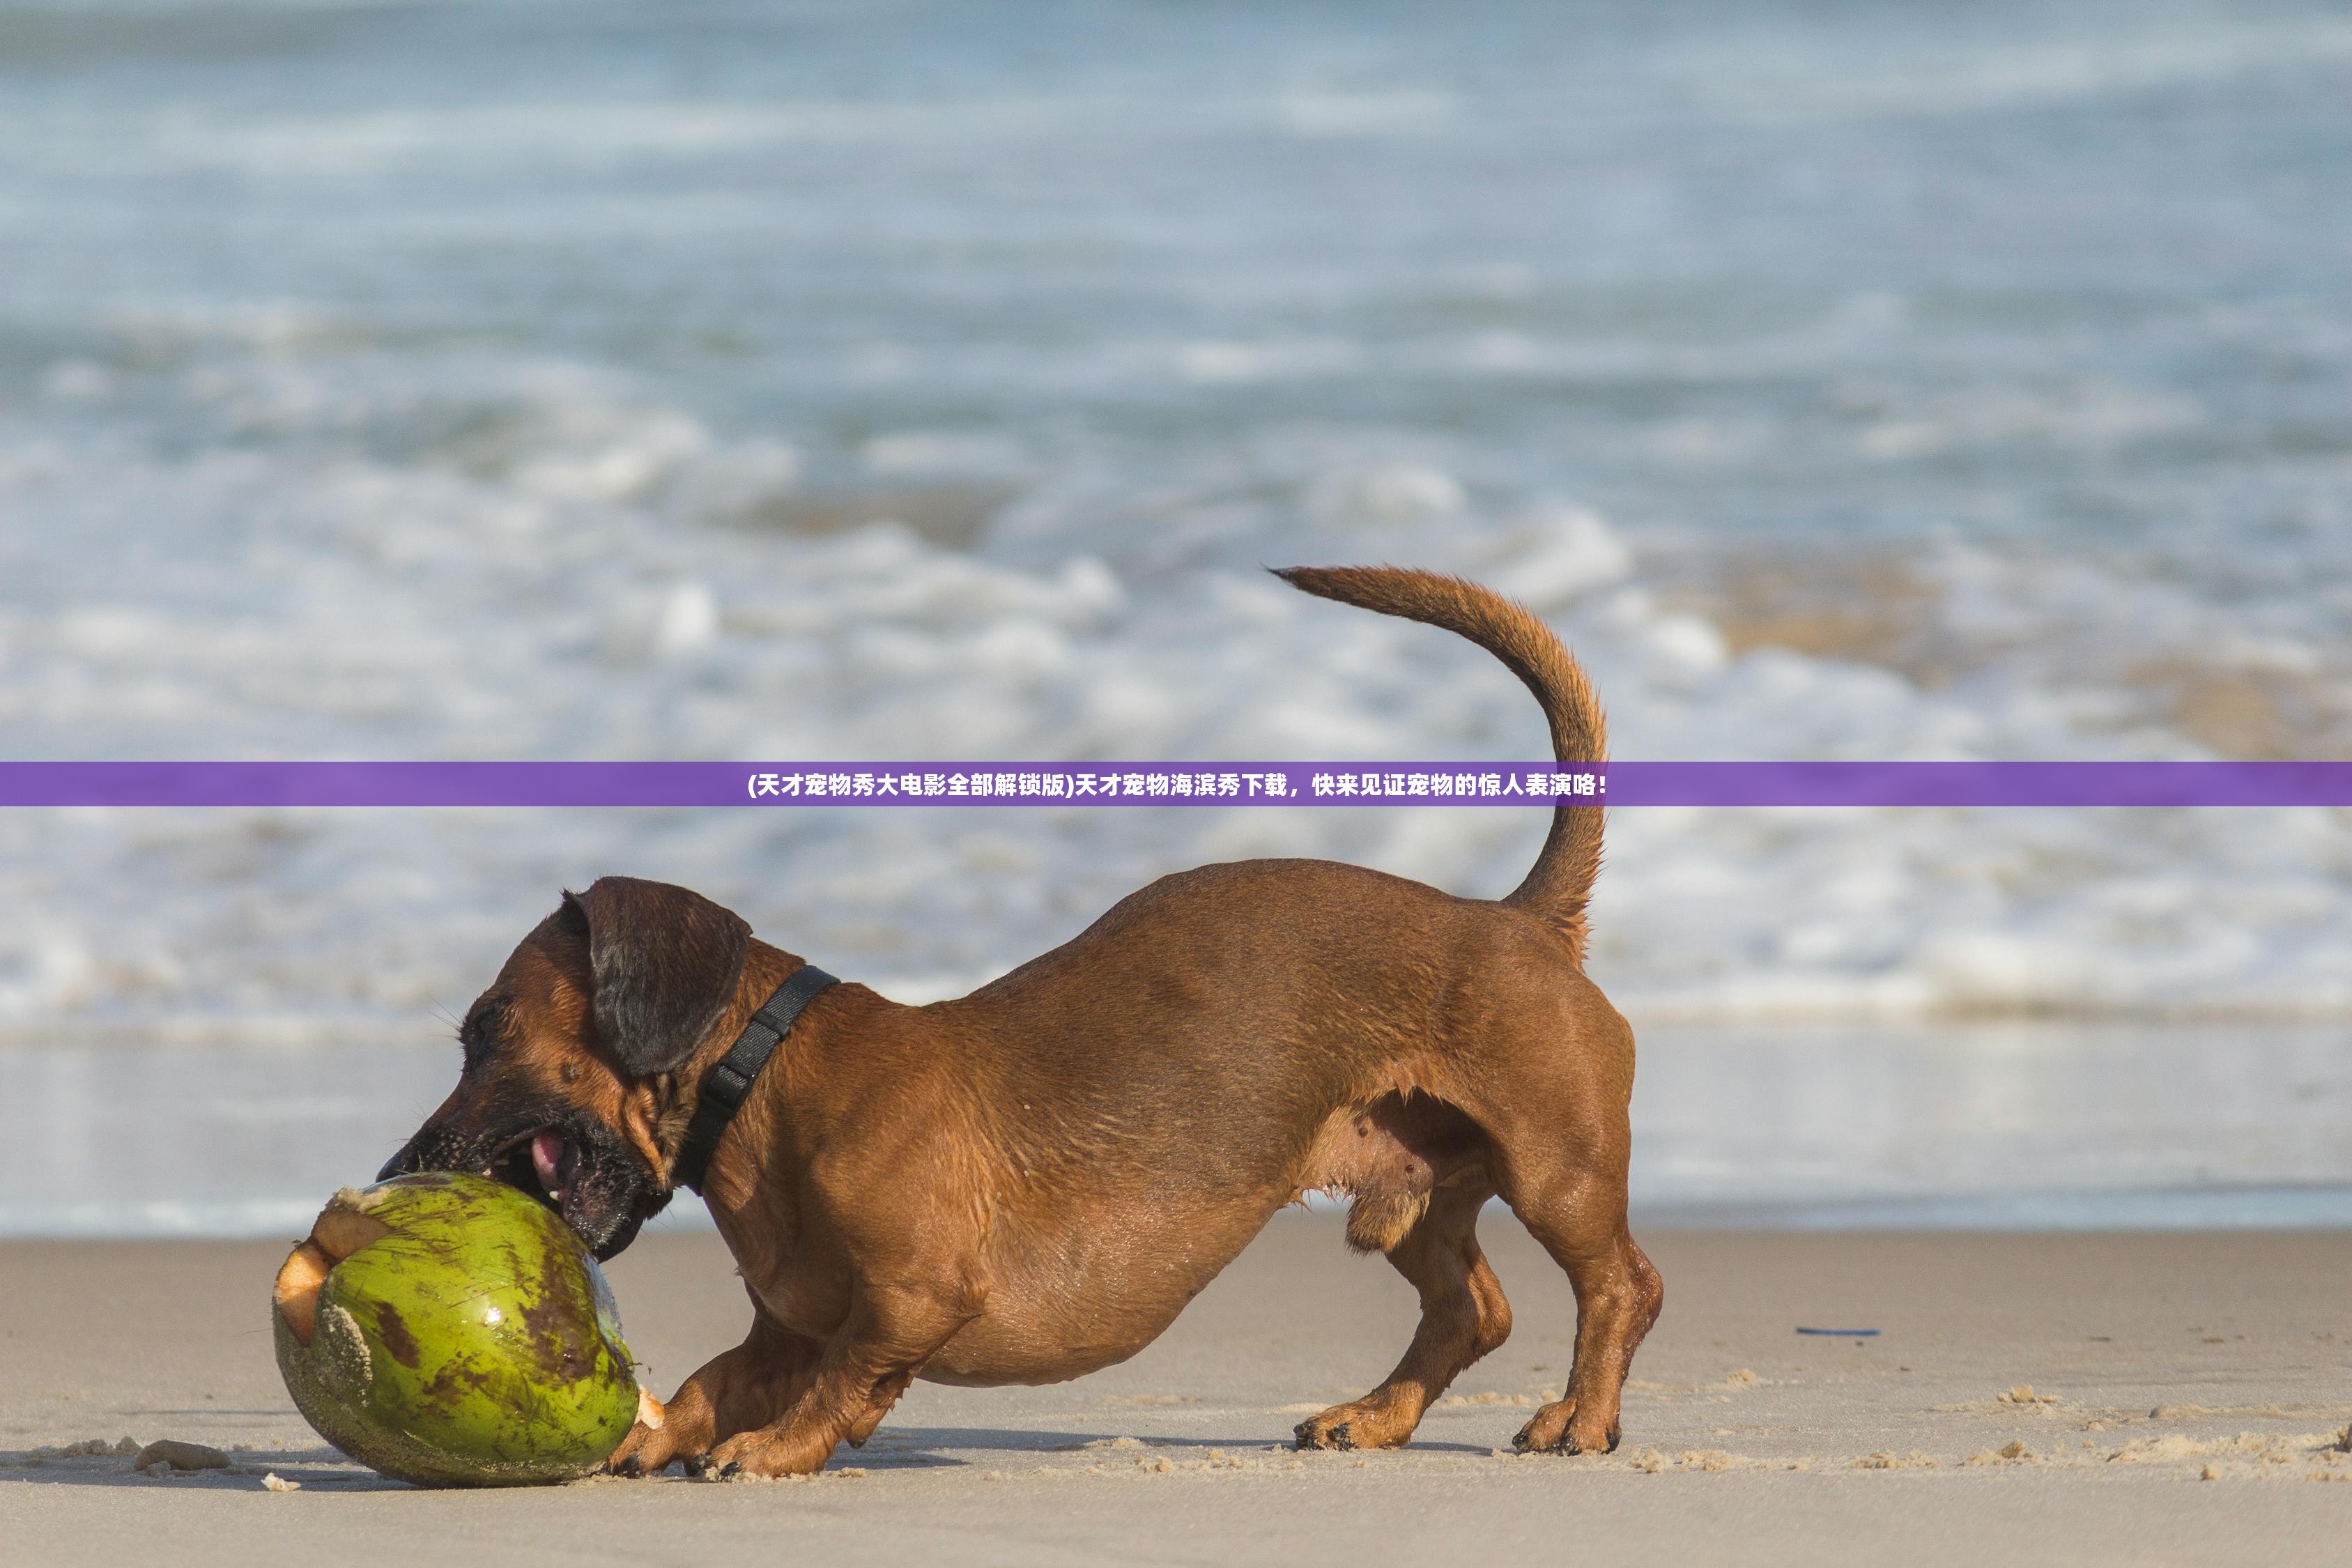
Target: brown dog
pixel 1030 1182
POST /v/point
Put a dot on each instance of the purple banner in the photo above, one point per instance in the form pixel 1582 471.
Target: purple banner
pixel 856 785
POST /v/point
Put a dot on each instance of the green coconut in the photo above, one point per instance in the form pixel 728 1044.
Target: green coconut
pixel 449 1330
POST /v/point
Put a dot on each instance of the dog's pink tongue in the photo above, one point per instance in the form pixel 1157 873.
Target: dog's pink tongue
pixel 546 1156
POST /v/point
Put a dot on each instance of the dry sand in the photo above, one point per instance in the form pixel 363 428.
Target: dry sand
pixel 2031 1399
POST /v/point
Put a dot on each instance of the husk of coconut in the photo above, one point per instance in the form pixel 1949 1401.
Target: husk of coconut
pixel 450 1331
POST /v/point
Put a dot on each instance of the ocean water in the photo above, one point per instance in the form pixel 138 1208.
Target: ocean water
pixel 611 379
pixel 1986 1126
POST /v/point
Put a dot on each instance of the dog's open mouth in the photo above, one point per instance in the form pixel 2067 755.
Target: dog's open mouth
pixel 584 1176
pixel 542 1163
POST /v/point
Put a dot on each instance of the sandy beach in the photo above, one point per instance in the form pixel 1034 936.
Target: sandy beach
pixel 2030 1398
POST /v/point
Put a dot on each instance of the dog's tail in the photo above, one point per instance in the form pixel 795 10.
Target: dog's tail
pixel 1561 883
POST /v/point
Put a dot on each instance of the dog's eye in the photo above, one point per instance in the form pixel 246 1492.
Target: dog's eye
pixel 481 1029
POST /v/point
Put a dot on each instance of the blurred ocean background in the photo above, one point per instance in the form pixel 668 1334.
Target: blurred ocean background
pixel 729 380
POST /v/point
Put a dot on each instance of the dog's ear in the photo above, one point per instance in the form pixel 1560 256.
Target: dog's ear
pixel 664 963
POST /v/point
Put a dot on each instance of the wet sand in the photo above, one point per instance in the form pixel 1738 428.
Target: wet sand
pixel 2139 1398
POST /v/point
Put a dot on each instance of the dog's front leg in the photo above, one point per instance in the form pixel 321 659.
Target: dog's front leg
pixel 891 1331
pixel 739 1391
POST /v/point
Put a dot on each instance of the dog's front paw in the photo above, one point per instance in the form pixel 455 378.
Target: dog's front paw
pixel 1556 1430
pixel 646 1451
pixel 765 1454
pixel 654 1441
pixel 1381 1420
pixel 1321 1432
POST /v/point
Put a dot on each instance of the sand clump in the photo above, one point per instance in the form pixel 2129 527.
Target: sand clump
pixel 1743 1378
pixel 169 1456
pixel 828 1476
pixel 89 1449
pixel 1657 1462
pixel 2263 1448
pixel 1883 1460
pixel 2166 1449
pixel 165 1457
pixel 2013 1452
pixel 1214 1460
pixel 2022 1397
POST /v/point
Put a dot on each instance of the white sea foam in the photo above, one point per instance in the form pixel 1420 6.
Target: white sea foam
pixel 431 613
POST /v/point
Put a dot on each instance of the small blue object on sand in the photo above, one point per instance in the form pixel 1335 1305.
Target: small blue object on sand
pixel 1844 1333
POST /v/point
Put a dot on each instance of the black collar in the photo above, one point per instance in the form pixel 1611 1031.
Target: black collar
pixel 729 1079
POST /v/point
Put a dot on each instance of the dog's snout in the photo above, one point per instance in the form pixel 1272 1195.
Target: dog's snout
pixel 405 1163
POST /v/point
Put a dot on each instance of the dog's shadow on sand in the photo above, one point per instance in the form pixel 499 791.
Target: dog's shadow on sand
pixel 926 1447
pixel 891 1449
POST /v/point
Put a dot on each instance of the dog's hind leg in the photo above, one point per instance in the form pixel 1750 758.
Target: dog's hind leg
pixel 1463 1317
pixel 1574 1203
pixel 1618 1294
pixel 1552 1088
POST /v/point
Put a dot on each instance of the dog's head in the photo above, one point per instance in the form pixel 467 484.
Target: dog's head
pixel 569 1082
